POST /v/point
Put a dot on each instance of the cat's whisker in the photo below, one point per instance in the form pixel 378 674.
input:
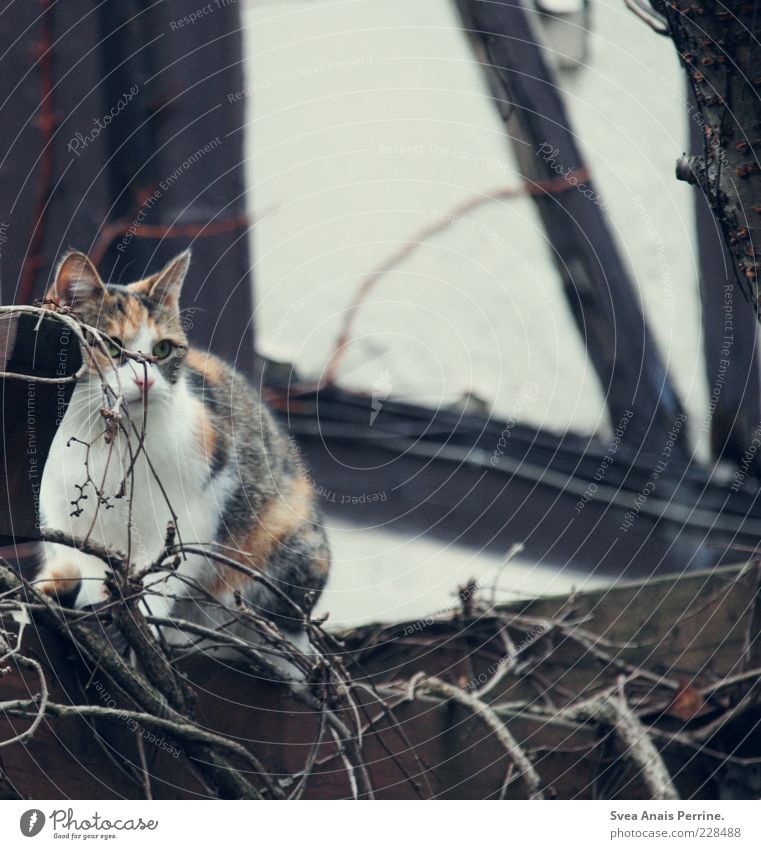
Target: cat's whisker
pixel 89 420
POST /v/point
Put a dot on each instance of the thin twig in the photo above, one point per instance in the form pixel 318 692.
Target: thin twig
pixel 436 686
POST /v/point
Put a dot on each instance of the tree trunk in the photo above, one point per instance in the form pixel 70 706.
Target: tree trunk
pixel 730 341
pixel 718 48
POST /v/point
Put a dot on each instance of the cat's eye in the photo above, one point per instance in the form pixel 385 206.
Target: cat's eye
pixel 114 347
pixel 162 349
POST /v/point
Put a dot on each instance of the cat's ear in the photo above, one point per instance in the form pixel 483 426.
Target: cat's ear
pixel 76 280
pixel 165 287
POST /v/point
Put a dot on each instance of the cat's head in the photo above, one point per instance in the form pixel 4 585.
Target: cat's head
pixel 141 317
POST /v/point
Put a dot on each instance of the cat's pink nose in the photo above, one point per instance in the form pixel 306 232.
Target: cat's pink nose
pixel 144 383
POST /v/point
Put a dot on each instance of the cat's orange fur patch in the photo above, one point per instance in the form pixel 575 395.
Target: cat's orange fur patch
pixel 210 367
pixel 134 318
pixel 63 579
pixel 144 286
pixel 281 516
pixel 207 438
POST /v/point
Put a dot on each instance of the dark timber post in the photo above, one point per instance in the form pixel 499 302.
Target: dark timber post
pixel 122 135
pixel 602 297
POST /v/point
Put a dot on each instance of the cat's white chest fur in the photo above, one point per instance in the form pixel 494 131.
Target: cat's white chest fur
pixel 169 479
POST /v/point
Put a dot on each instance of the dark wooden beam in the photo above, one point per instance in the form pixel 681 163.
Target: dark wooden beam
pixel 30 413
pixel 121 117
pixel 601 295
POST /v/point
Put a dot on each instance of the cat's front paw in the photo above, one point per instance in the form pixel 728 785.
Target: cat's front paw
pixel 61 580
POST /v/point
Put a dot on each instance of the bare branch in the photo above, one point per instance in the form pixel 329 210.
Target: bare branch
pixel 437 687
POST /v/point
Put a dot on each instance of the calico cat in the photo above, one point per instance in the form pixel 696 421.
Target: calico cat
pixel 211 450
